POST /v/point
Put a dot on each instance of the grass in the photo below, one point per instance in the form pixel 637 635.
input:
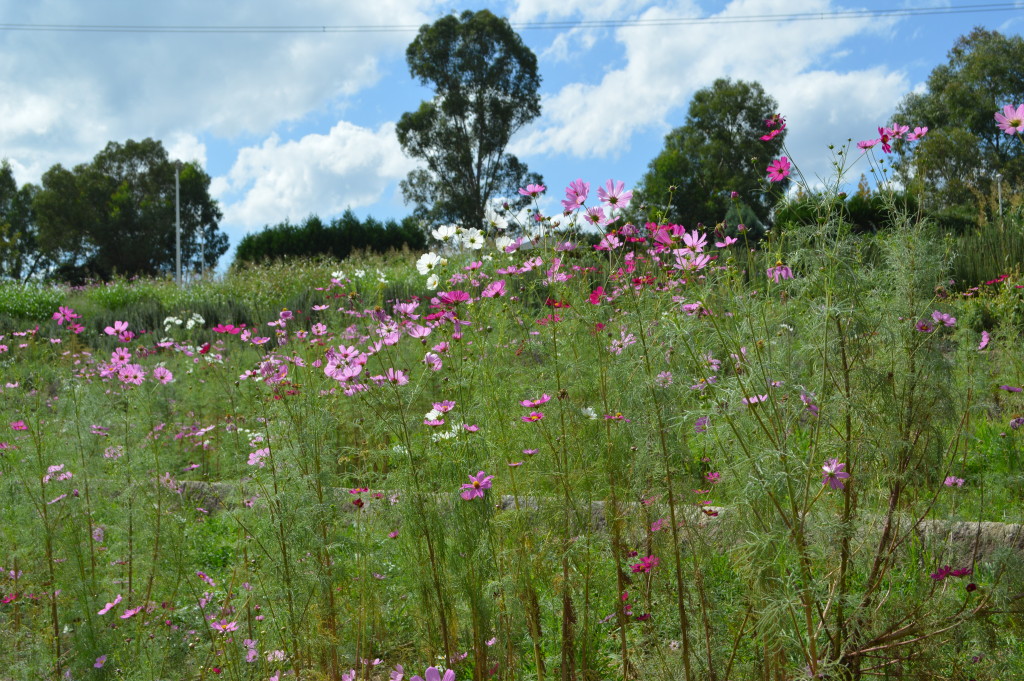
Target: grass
pixel 291 507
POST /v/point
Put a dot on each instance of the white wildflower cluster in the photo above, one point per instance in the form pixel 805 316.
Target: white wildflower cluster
pixel 453 431
pixel 178 322
pixel 454 238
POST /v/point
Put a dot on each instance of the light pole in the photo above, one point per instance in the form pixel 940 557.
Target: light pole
pixel 177 222
pixel 999 192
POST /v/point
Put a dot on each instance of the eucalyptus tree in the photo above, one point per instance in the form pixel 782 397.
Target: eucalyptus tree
pixel 485 83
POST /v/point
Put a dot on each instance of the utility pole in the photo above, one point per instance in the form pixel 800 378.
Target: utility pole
pixel 177 222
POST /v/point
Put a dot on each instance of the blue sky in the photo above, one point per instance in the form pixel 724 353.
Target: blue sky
pixel 290 124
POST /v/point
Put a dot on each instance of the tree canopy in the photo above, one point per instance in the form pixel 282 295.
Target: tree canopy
pixel 486 84
pixel 20 259
pixel 717 151
pixel 957 161
pixel 116 214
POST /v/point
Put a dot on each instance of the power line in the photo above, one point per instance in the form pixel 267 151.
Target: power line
pixel 523 26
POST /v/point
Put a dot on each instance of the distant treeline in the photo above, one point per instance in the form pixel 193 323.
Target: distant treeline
pixel 337 238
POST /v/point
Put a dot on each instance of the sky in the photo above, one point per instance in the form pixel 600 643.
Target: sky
pixel 295 123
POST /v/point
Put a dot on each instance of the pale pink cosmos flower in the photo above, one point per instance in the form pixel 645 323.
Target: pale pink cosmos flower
pixel 100 661
pixel 256 458
pixel 918 133
pixel 106 608
pixel 953 481
pixel 162 374
pixel 943 318
pixel 117 329
pixel 985 338
pixel 1011 120
pixel 537 402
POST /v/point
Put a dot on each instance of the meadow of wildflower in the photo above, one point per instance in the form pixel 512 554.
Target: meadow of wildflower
pixel 674 454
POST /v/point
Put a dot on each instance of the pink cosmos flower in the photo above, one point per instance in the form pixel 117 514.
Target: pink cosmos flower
pixel 537 402
pixel 117 329
pixel 918 133
pixel 754 399
pixel 65 314
pixel 985 338
pixel 106 608
pixel 162 374
pixel 943 318
pixel 533 190
pixel 18 425
pixel 100 661
pixel 778 169
pixel 476 486
pixel 953 481
pixel 612 193
pixel 433 674
pixel 779 272
pixel 1011 120
pixel 834 474
pixel 131 373
pixel 495 289
pixel 575 195
pixel 534 416
pixel 224 626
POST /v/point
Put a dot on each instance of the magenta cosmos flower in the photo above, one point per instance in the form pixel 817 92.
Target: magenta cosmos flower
pixel 834 474
pixel 778 170
pixel 476 486
pixel 1011 120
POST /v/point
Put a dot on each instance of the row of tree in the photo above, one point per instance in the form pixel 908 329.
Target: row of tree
pixel 337 238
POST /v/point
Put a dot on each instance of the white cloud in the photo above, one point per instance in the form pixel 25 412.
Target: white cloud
pixel 65 95
pixel 665 66
pixel 186 147
pixel 349 167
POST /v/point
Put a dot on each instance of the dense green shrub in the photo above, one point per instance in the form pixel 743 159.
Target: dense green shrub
pixel 336 239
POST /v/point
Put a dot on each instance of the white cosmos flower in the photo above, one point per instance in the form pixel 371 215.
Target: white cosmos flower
pixel 427 262
pixel 492 218
pixel 433 282
pixel 445 233
pixel 474 239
